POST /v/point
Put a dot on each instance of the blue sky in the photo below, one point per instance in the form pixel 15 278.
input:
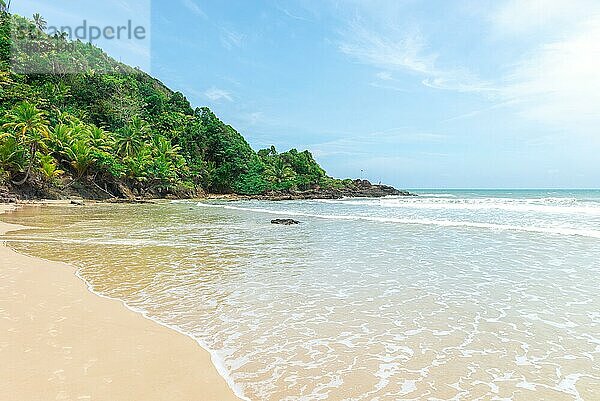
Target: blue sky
pixel 418 94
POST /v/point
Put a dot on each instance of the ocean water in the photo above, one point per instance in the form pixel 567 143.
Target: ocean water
pixel 452 295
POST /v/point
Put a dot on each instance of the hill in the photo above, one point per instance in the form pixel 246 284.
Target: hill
pixel 84 124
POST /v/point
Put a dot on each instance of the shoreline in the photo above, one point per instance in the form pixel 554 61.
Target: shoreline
pixel 68 340
pixel 79 201
pixel 356 189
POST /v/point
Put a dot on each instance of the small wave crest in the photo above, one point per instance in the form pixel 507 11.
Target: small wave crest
pixel 437 196
pixel 566 206
pixel 429 222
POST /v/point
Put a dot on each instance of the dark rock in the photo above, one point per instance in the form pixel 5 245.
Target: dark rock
pixel 77 203
pixel 363 184
pixel 6 196
pixel 285 222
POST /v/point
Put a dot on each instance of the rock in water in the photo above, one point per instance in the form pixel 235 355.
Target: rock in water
pixel 285 222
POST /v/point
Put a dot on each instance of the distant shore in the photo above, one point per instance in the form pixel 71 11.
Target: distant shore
pixel 64 342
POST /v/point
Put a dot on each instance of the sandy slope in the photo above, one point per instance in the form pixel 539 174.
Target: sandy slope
pixel 60 341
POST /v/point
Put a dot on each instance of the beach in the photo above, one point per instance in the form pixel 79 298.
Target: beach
pixel 60 341
pixel 457 294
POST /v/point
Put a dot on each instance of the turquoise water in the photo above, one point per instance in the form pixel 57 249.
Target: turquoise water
pixel 453 295
pixel 579 194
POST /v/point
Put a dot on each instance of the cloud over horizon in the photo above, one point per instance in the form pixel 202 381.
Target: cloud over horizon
pixel 558 80
pixel 555 79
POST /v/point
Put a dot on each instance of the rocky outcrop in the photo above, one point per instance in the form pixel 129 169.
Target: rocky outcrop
pixel 6 196
pixel 87 188
pixel 285 222
pixel 357 189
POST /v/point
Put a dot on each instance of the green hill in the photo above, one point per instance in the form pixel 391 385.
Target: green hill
pixel 109 130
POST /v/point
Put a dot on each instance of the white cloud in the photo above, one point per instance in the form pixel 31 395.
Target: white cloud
pixel 558 81
pixel 382 51
pixel 367 143
pixel 231 39
pixel 216 94
pixel 520 17
pixel 554 77
pixel 386 80
pixel 194 8
pixel 384 76
pixel 407 52
pixel 290 14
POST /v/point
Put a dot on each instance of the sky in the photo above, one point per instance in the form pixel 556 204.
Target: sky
pixel 413 93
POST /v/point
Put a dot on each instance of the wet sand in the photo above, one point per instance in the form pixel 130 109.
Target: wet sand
pixel 60 341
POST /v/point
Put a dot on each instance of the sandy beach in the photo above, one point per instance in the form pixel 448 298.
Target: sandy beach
pixel 60 341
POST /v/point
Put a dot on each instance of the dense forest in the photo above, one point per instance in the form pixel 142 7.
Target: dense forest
pixel 89 123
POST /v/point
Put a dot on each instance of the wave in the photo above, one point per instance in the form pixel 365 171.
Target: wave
pixel 546 205
pixel 429 222
pixel 95 242
pixel 437 196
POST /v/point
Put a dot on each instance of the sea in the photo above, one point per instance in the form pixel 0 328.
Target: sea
pixel 450 295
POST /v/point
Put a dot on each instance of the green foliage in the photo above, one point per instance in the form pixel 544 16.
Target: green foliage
pixel 292 170
pixel 12 155
pixel 230 155
pixel 94 119
pixel 27 122
pixel 28 127
pixel 49 169
pixel 131 138
pixel 5 32
pixel 80 156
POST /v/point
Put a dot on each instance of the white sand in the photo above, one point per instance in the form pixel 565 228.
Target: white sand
pixel 61 342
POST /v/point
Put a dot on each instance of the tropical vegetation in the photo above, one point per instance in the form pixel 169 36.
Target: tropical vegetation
pixel 72 117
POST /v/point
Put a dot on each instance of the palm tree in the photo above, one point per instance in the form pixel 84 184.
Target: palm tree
pixel 61 36
pixel 279 172
pixel 49 168
pixel 40 22
pixel 80 156
pixel 130 138
pixel 128 142
pixel 164 147
pixel 140 126
pixel 78 130
pixel 31 128
pixel 4 6
pixel 138 165
pixel 98 138
pixel 60 137
pixel 12 156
